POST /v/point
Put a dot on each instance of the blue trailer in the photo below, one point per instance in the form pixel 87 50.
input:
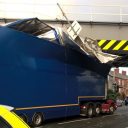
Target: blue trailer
pixel 49 78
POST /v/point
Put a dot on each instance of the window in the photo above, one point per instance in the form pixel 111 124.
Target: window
pixel 4 124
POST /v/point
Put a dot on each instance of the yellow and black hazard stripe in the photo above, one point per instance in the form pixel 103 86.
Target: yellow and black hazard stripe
pixel 114 45
pixel 119 47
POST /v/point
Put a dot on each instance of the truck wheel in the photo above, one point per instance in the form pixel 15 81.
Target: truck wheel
pixel 37 119
pixel 97 109
pixel 111 109
pixel 24 117
pixel 90 111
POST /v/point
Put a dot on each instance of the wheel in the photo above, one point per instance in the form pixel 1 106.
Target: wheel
pixel 90 111
pixel 24 117
pixel 37 119
pixel 111 109
pixel 97 110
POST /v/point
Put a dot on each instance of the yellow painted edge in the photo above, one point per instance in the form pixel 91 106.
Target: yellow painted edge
pixel 126 48
pixel 62 105
pixel 109 44
pixel 101 42
pixel 120 44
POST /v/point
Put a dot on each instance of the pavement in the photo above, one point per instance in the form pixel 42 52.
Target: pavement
pixel 118 120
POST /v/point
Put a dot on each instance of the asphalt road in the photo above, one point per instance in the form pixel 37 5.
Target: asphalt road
pixel 118 120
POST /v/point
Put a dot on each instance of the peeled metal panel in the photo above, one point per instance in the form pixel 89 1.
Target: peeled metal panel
pixel 74 30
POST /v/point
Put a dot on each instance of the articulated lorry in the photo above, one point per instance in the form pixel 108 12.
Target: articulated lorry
pixel 45 75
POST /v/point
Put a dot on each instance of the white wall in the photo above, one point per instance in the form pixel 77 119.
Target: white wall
pixel 107 32
pixel 82 10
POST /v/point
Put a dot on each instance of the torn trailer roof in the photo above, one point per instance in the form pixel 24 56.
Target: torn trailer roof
pixel 85 45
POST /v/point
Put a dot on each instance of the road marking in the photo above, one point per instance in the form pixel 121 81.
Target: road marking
pixel 73 121
pixel 109 115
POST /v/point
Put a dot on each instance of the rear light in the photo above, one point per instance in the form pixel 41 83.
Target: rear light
pixel 83 107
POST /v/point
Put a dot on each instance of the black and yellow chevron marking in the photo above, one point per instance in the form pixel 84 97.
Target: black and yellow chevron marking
pixel 113 45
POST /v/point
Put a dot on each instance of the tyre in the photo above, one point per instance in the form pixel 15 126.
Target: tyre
pixel 90 110
pixel 97 110
pixel 24 117
pixel 111 109
pixel 37 119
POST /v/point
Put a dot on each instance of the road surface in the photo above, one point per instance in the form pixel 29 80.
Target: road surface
pixel 118 120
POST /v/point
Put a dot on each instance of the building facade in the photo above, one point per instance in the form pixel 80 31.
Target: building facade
pixel 120 80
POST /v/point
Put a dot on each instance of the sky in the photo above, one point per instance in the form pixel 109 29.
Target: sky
pixel 82 10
